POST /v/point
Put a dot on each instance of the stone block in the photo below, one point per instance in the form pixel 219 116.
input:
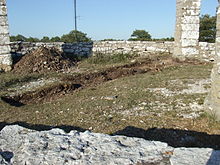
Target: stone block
pixel 3 11
pixel 6 59
pixel 189 42
pixel 190 51
pixel 4 30
pixel 191 12
pixel 4 49
pixel 190 19
pixel 190 27
pixel 2 2
pixel 4 38
pixel 190 35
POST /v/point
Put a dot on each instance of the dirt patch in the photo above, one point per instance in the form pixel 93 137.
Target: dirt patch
pixel 71 83
pixel 43 60
pixel 46 94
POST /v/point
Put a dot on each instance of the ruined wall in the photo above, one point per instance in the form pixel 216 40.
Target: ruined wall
pixel 80 49
pixel 105 47
pixel 213 100
pixel 187 28
pixel 207 50
pixel 5 56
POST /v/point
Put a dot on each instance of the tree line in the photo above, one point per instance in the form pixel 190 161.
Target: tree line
pixel 207 34
pixel 73 36
pixel 207 31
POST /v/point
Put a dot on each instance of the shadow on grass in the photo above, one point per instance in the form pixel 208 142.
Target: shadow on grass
pixel 174 137
pixel 12 102
pixel 41 127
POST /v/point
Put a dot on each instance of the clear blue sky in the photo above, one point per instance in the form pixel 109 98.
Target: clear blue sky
pixel 100 19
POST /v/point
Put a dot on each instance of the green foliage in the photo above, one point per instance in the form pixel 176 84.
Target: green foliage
pixel 140 35
pixel 55 39
pixel 110 59
pixel 75 36
pixel 17 38
pixel 45 39
pixel 32 39
pixel 207 28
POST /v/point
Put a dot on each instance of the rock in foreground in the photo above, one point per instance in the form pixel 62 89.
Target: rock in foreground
pixel 21 146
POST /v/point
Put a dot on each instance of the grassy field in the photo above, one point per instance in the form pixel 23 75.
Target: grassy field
pixel 167 98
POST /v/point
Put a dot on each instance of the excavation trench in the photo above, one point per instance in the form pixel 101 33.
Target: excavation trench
pixel 70 84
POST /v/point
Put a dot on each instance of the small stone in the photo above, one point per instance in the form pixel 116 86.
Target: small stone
pixel 110 97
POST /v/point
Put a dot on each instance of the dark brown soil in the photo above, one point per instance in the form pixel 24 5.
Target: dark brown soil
pixel 43 60
pixel 77 82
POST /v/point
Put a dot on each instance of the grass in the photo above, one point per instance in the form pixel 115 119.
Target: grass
pixel 103 59
pixel 134 105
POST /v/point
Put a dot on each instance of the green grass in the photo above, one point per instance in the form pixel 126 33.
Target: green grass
pixel 89 109
pixel 110 59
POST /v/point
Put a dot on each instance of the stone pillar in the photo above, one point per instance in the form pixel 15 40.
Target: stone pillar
pixel 187 29
pixel 212 102
pixel 5 56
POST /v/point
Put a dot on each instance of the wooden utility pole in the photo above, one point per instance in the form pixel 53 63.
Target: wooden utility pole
pixel 75 20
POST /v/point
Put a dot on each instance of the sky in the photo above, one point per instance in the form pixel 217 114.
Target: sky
pixel 100 19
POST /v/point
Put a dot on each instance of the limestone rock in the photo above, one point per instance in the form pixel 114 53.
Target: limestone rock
pixel 19 145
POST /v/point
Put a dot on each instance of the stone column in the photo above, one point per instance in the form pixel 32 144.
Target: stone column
pixel 212 102
pixel 187 29
pixel 5 56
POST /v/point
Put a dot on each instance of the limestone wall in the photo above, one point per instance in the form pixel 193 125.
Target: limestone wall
pixel 132 47
pixel 5 57
pixel 81 49
pixel 207 50
pixel 187 28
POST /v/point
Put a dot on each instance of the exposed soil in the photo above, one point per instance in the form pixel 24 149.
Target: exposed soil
pixel 77 82
pixel 43 60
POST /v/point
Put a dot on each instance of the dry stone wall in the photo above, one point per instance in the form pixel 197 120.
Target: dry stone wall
pixel 80 49
pixel 5 56
pixel 142 48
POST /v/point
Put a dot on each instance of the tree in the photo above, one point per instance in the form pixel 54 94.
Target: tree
pixel 55 39
pixel 45 39
pixel 140 35
pixel 31 39
pixel 207 28
pixel 17 38
pixel 75 36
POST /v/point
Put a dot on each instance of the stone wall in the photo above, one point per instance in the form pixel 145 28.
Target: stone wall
pixel 81 49
pixel 207 50
pixel 5 57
